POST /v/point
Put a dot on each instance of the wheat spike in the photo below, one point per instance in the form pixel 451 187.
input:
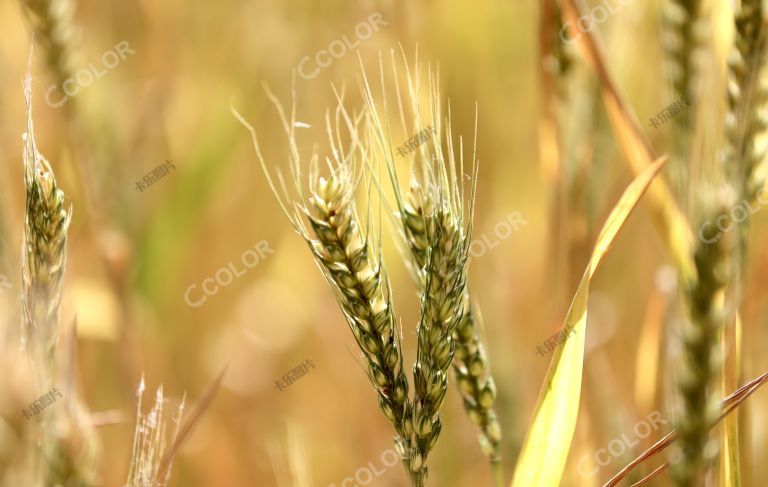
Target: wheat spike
pixel 350 260
pixel 470 363
pixel 745 124
pixel 685 35
pixel 44 254
pixel 700 337
pixel 52 22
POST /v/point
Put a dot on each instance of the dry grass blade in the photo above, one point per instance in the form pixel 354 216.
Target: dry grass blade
pixel 671 223
pixel 163 472
pixel 548 440
pixel 661 468
pixel 728 405
pixel 150 442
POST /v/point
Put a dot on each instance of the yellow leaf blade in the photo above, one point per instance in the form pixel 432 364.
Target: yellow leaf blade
pixel 548 441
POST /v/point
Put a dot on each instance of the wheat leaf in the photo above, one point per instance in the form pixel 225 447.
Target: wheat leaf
pixel 671 223
pixel 547 444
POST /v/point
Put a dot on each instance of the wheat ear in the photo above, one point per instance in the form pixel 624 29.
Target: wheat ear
pixel 445 277
pixel 441 219
pixel 68 445
pixel 470 362
pixel 747 96
pixel 44 253
pixel 700 337
pixel 351 262
pixel 685 33
pixel 684 37
pixel 52 21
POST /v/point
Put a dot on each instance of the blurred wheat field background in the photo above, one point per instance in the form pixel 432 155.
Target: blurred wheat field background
pixel 153 308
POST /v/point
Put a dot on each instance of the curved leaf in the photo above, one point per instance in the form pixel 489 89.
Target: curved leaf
pixel 548 441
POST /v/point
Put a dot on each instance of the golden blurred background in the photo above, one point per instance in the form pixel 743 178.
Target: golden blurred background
pixel 168 99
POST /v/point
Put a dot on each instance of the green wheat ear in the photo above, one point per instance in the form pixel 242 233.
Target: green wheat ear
pixel 349 257
pixel 52 23
pixel 701 362
pixel 747 95
pixel 684 39
pixel 44 250
pixel 435 220
pixel 68 445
